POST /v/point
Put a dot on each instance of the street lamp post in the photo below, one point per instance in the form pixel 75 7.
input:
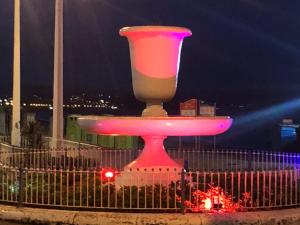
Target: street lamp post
pixel 16 108
pixel 57 122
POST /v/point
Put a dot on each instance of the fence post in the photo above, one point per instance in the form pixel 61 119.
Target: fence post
pixel 21 184
pixel 183 186
pixel 249 159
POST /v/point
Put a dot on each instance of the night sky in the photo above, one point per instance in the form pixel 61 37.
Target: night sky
pixel 243 51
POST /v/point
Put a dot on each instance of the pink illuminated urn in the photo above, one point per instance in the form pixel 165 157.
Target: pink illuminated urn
pixel 155 58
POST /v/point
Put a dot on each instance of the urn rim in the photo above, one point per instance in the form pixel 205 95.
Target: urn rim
pixel 181 31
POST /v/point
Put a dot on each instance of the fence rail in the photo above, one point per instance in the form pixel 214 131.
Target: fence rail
pixel 194 159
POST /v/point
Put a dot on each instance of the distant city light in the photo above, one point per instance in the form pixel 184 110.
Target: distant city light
pixel 81 101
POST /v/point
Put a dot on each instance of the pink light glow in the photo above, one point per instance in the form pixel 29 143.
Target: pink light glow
pixel 153 155
pixel 161 126
pixel 155 51
pixel 154 130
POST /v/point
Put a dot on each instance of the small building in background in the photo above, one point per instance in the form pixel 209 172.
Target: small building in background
pixel 75 133
pixel 289 136
pixel 207 110
pixel 5 121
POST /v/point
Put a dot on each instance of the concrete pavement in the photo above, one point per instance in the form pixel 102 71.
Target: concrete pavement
pixel 66 217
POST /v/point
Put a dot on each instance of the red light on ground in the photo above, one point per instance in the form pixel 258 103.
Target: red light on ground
pixel 207 204
pixel 109 174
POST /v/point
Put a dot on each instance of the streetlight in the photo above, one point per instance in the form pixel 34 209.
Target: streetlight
pixel 57 126
pixel 57 122
pixel 16 117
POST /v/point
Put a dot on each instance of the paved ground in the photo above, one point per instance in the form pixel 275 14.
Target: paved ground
pixel 10 223
pixel 50 216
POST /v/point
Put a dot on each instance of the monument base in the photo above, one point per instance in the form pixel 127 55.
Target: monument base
pixel 152 166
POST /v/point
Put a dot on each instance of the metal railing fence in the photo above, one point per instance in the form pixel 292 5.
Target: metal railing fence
pixel 235 159
pixel 66 158
pixel 194 159
pixel 197 191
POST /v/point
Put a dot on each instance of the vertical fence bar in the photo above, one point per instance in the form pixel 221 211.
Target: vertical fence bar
pixel 232 186
pixel 257 188
pixel 222 160
pixel 48 186
pixel 231 161
pixel 251 188
pixel 37 187
pixel 87 187
pixel 7 185
pixel 175 188
pixel 31 186
pixel 67 186
pixel 17 181
pixel 138 192
pixel 280 161
pixel 291 187
pixel 54 187
pixel 160 190
pixel 182 183
pixel 152 194
pixel 275 187
pixel 225 182
pixel 296 185
pixel 254 161
pixel 3 184
pixel 101 189
pixel 270 187
pixel 94 188
pixel 11 185
pixel 286 187
pixel 239 188
pixel 60 187
pixel 245 186
pixel 74 187
pixel 236 161
pixel 168 191
pixel 203 165
pixel 280 188
pixel 80 187
pixel 21 185
pixel 204 181
pixel 264 187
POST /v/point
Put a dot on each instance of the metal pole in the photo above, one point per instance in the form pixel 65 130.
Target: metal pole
pixel 21 184
pixel 57 123
pixel 182 183
pixel 16 111
pixel 215 138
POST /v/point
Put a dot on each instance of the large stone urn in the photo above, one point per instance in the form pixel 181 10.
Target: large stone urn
pixel 155 58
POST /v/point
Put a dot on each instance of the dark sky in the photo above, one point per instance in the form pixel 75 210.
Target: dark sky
pixel 239 49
